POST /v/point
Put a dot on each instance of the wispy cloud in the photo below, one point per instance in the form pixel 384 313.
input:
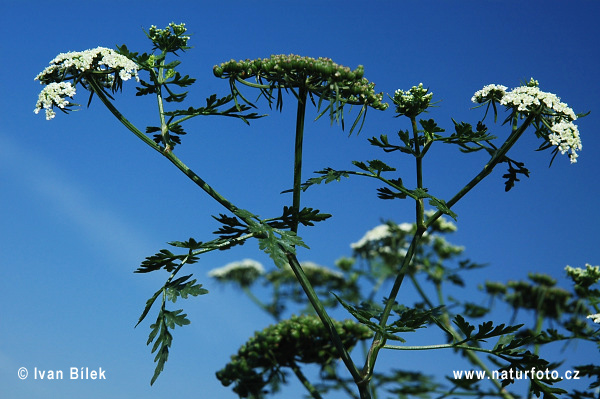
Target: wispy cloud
pixel 98 223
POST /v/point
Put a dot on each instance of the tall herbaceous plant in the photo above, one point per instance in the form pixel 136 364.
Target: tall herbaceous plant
pixel 389 255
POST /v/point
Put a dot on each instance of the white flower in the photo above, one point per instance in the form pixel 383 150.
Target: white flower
pixel 378 233
pixel 595 317
pixel 442 223
pixel 530 98
pixel 54 95
pixel 309 267
pixel 566 137
pixel 243 266
pixel 84 60
pixel 67 66
pixel 488 92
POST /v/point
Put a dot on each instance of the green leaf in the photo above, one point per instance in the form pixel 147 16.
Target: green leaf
pixel 163 259
pixel 464 326
pixel 433 201
pixel 380 166
pixel 364 316
pixel 328 175
pixel 361 165
pixel 149 304
pixel 306 216
pixel 276 243
pixel 181 288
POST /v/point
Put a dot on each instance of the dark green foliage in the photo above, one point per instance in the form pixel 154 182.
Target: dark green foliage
pixel 301 339
pixel 167 320
pixel 278 244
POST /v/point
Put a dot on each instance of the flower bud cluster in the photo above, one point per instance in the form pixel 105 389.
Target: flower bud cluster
pixel 321 76
pixel 171 38
pixel 584 277
pixel 412 102
pixel 529 99
pixel 300 339
pixel 107 64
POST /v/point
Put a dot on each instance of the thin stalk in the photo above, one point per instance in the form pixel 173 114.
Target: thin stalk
pixel 255 299
pixel 325 319
pixel 440 346
pixel 487 169
pixel 171 157
pixel 130 126
pixel 300 115
pixel 164 129
pixel 539 323
pixel 309 387
pixel 446 321
pixel 420 208
pixel 379 340
pixel 421 292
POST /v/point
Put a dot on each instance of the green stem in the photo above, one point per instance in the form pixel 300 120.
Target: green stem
pixel 440 346
pixel 300 115
pixel 487 169
pixel 242 214
pixel 164 129
pixel 379 340
pixel 420 207
pixel 325 319
pixel 421 292
pixel 254 299
pixel 539 323
pixel 309 387
pixel 130 126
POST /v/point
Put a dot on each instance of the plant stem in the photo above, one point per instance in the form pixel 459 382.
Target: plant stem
pixel 325 319
pixel 300 115
pixel 164 129
pixel 487 169
pixel 309 387
pixel 379 340
pixel 242 214
pixel 254 299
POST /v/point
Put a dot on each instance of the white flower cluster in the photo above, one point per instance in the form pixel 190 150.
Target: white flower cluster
pixel 413 101
pixel 246 265
pixel 415 91
pixel 442 223
pixel 530 98
pixel 489 92
pixel 84 60
pixel 69 65
pixel 309 267
pixel 379 233
pixel 52 95
pixel 565 136
pixel 595 317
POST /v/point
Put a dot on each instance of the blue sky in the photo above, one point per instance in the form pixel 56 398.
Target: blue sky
pixel 84 201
